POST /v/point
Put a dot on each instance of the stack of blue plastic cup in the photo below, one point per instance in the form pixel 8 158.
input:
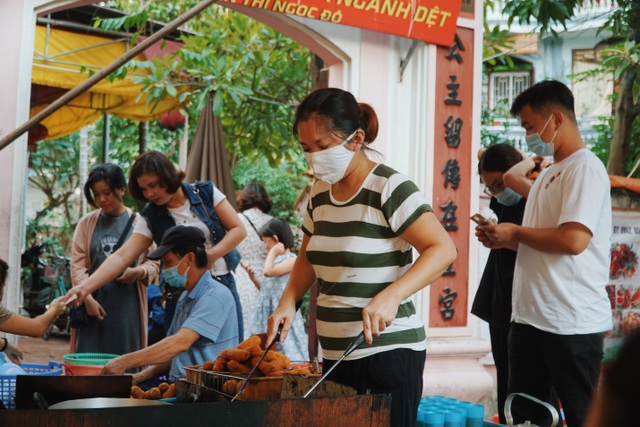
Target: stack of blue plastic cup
pixel 439 411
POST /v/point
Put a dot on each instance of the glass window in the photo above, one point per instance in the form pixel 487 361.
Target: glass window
pixel 506 86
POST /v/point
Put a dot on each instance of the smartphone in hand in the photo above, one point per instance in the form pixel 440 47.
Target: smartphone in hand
pixel 481 220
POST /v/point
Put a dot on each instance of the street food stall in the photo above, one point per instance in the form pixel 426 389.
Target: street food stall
pixel 105 401
pixel 370 410
pixel 251 383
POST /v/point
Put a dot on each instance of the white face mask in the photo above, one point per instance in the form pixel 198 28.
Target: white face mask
pixel 331 164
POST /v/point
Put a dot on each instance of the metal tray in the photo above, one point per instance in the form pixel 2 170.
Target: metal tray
pixel 260 387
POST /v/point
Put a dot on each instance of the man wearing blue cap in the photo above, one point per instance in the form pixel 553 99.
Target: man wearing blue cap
pixel 205 321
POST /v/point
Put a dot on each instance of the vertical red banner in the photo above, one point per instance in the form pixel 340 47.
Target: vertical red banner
pixel 454 168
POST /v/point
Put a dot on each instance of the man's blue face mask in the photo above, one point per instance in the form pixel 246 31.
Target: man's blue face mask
pixel 537 145
pixel 172 278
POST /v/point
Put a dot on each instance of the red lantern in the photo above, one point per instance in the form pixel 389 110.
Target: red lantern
pixel 171 120
pixel 36 134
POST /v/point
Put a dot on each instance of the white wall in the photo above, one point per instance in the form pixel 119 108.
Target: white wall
pixel 16 19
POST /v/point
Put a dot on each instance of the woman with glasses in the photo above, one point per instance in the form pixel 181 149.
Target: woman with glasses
pixel 506 174
pixel 117 312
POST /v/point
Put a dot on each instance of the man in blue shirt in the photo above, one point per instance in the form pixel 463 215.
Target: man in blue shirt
pixel 205 321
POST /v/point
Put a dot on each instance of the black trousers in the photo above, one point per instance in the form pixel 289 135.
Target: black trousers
pixel 499 349
pixel 396 372
pixel 546 365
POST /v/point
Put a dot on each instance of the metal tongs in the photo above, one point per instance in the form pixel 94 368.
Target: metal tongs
pixel 255 368
pixel 359 340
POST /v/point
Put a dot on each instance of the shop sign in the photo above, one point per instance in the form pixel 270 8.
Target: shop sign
pixel 623 288
pixel 431 21
pixel 452 174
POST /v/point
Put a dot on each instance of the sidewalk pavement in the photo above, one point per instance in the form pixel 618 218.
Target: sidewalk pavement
pixel 40 351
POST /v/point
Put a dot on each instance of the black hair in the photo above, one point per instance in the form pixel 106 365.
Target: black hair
pixel 198 251
pixel 280 228
pixel 499 158
pixel 339 112
pixel 544 97
pixel 619 387
pixel 254 194
pixel 156 163
pixel 109 173
pixel 4 270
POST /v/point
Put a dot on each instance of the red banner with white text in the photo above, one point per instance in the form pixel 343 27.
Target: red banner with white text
pixel 432 21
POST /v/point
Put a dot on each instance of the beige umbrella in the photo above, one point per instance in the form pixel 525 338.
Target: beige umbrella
pixel 208 158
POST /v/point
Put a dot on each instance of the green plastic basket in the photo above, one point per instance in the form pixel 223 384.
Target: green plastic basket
pixel 88 359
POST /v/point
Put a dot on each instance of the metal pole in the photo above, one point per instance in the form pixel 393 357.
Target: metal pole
pixel 143 136
pixel 84 166
pixel 184 144
pixel 91 81
pixel 106 130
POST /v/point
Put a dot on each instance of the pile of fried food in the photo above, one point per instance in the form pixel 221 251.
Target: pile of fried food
pixel 163 391
pixel 245 357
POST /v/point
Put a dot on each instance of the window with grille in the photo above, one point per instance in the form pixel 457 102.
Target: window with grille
pixel 506 86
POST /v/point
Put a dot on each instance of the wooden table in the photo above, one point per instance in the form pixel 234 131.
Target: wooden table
pixel 352 411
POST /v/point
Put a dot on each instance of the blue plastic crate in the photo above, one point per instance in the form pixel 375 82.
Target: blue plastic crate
pixel 8 382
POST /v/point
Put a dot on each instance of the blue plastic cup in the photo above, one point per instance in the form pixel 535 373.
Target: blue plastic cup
pixel 433 419
pixel 475 415
pixel 452 419
pixel 428 402
pixel 431 399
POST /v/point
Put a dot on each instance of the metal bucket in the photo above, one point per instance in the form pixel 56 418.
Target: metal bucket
pixel 509 417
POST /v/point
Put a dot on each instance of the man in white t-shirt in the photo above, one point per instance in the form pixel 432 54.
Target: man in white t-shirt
pixel 560 308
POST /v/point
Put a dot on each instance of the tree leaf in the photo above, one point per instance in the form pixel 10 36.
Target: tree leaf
pixel 217 104
pixel 636 90
pixel 171 90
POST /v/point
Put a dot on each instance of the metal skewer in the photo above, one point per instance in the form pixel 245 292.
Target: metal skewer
pixel 359 340
pixel 255 368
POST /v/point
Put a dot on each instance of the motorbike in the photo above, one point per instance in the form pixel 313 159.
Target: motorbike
pixel 33 266
pixel 47 280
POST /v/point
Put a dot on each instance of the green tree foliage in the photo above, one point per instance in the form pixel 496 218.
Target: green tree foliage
pixel 284 184
pixel 495 40
pixel 53 171
pixel 257 76
pixel 623 60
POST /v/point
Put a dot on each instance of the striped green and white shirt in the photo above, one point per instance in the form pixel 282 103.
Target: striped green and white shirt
pixel 356 251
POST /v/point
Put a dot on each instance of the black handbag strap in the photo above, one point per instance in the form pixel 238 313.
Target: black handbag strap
pixel 127 227
pixel 254 227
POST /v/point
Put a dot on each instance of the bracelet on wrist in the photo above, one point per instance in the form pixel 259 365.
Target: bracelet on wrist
pixel 145 273
pixel 6 344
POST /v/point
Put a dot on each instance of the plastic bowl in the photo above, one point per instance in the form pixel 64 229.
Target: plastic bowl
pixel 88 359
pixel 86 363
pixel 81 370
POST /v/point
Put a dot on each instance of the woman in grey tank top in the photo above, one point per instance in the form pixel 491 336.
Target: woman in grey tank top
pixel 118 311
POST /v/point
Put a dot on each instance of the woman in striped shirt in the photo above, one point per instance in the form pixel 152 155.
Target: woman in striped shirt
pixel 361 223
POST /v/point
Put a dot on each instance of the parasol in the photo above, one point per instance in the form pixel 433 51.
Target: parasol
pixel 208 158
